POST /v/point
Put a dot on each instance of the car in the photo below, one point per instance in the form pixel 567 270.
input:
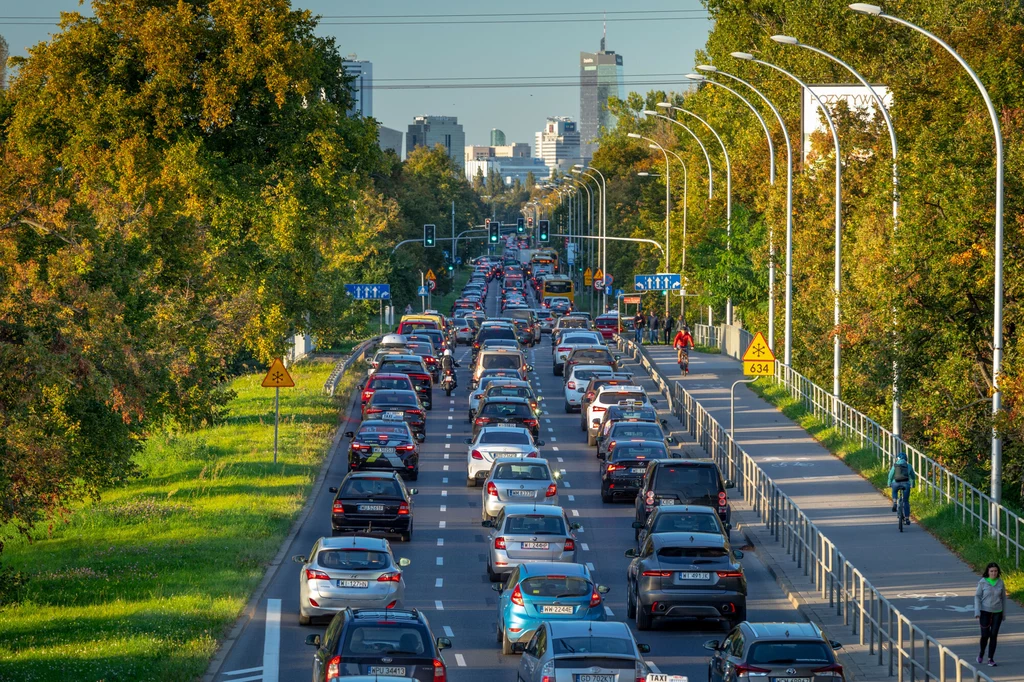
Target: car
pixel 568 322
pixel 546 320
pixel 514 388
pixel 372 502
pixel 683 481
pixel 596 354
pixel 493 330
pixel 425 349
pixel 384 444
pixel 506 410
pixel 608 325
pixel 547 591
pixel 416 369
pixel 636 422
pixel 494 344
pixel 379 643
pixel 384 380
pixel 607 396
pixel 596 382
pixel 464 331
pixel 526 533
pixel 530 317
pixel 517 481
pixel 343 572
pixel 774 651
pixel 569 342
pixel 576 383
pixel 495 442
pixel 582 651
pixel 623 469
pixel 689 518
pixel 392 404
pixel 486 379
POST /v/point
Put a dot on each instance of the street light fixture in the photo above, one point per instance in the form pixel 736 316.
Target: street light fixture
pixel 668 197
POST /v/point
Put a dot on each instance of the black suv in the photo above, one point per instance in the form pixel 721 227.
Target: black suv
pixel 375 503
pixel 683 481
pixel 506 410
pixel 384 445
pixel 625 422
pixel 392 642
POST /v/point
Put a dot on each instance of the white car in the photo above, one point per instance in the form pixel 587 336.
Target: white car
pixel 611 395
pixel 576 383
pixel 494 442
pixel 568 342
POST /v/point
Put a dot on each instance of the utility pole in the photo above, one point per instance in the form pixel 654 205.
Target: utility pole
pixel 454 244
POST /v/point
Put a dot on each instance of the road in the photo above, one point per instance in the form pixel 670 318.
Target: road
pixel 447 577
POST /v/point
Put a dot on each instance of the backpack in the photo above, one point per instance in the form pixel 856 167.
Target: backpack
pixel 901 472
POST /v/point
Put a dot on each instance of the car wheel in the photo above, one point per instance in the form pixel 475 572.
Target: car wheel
pixel 506 645
pixel 415 475
pixel 568 407
pixel 407 535
pixel 630 605
pixel 498 632
pixel 494 577
pixel 606 497
pixel 644 620
pixel 471 482
pixel 304 620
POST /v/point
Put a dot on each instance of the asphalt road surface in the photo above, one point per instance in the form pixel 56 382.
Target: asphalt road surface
pixel 447 577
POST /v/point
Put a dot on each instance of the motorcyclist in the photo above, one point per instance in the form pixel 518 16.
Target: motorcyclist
pixel 448 364
pixel 681 341
pixel 901 475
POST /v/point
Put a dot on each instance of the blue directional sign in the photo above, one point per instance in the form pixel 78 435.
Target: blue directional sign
pixel 422 291
pixel 365 292
pixel 619 292
pixel 659 282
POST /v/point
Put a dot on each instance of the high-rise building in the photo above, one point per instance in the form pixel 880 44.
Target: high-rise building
pixel 559 143
pixel 427 131
pixel 361 71
pixel 389 138
pixel 600 79
pixel 497 138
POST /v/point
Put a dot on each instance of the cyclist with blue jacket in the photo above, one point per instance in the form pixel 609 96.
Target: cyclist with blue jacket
pixel 901 475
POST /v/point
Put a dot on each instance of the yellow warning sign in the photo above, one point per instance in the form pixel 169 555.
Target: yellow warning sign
pixel 758 360
pixel 277 376
pixel 430 275
pixel 588 277
pixel 599 274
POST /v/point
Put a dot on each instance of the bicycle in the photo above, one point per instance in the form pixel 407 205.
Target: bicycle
pixel 683 358
pixel 901 496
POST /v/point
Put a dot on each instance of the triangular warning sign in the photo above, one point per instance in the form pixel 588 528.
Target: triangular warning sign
pixel 758 350
pixel 277 376
pixel 430 274
pixel 599 274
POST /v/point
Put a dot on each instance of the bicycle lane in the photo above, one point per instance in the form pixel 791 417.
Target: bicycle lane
pixel 916 572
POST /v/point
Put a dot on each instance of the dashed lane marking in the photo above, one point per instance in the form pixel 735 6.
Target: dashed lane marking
pixel 446 456
pixel 444 507
pixel 590 565
pixel 440 524
pixel 440 542
pixel 461 660
pixel 439 582
pixel 438 605
pixel 446 467
pixel 585 546
pixel 439 561
pixel 550 430
pixel 575 512
pixel 448 631
pixel 272 642
pixel 572 498
pixel 444 493
pixel 608 611
pixel 444 480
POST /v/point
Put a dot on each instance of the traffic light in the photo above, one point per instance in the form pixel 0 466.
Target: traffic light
pixel 520 225
pixel 450 267
pixel 529 221
pixel 428 236
pixel 493 233
pixel 543 234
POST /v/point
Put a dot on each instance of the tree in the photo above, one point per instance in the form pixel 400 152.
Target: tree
pixel 478 179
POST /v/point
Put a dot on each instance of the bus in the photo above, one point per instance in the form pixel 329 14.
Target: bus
pixel 557 285
pixel 544 257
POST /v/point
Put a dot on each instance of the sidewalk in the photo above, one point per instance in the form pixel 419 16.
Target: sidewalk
pixel 914 570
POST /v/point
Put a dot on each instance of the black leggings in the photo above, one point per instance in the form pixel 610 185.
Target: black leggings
pixel 990 623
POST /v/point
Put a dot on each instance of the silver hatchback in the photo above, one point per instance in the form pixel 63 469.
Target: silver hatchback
pixel 524 534
pixel 518 481
pixel 349 571
pixel 578 651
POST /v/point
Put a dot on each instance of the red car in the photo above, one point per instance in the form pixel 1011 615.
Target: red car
pixel 608 325
pixel 400 382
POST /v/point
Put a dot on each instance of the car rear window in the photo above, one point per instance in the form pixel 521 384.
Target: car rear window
pixel 638 451
pixel 614 397
pixel 370 487
pixel 373 430
pixel 597 646
pixel 585 354
pixel 506 410
pixel 686 523
pixel 511 391
pixel 504 437
pixel 572 323
pixel 384 384
pixel 689 552
pixel 389 640
pixel 555 586
pixel 353 559
pixel 606 321
pixel 578 338
pixel 535 524
pixel 643 430
pixel 509 471
pixel 402 367
pixel 782 653
pixel 497 361
pixel 496 333
pixel 693 481
pixel 587 374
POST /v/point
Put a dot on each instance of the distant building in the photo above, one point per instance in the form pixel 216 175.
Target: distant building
pixel 600 79
pixel 509 168
pixel 559 143
pixel 427 131
pixel 476 152
pixel 389 138
pixel 362 85
pixel 497 138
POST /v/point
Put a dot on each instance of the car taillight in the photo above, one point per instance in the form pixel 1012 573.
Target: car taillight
pixel 373 410
pixel 334 668
pixel 440 673
pixel 744 670
pixel 482 420
pixel 476 454
pixel 403 509
pixel 359 447
pixel 650 497
pixel 564 349
pixel 595 599
pixel 571 385
pixel 730 574
pixel 367 395
pixel 552 490
pixel 406 448
pixel 517 597
pixel 390 578
pixel 534 453
pixel 589 395
pixel 614 467
pixel 658 574
pixel 499 542
pixel 530 422
pixel 492 489
pixel 417 413
pixel 722 499
pixel 316 575
pixel 611 446
pixel 597 408
pixel 834 670
pixel 338 508
pixel 569 546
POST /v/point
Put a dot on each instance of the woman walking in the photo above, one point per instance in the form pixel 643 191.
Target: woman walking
pixel 989 604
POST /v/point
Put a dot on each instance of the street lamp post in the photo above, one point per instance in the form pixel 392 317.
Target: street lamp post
pixel 668 200
pixel 590 242
pixel 604 222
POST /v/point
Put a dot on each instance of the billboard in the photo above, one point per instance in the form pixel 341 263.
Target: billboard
pixel 856 97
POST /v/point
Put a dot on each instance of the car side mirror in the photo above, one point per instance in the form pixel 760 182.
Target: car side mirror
pixel 299 559
pixel 654 401
pixel 730 483
pixel 643 648
pixel 603 589
pixel 738 553
pixel 575 525
pixel 444 643
pixel 497 587
pixel 541 443
pixel 350 434
pixel 618 357
pixel 629 553
pixel 835 644
pixel 519 647
pixel 712 644
pixel 637 524
pixel 671 440
pixel 728 526
pixel 313 640
pixel 403 562
pixel 468 441
pixel 487 524
pixel 664 422
pixel 332 490
pixel 414 491
pixel 529 368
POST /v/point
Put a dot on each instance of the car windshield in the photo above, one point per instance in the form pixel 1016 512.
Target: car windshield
pixel 405 398
pixel 501 362
pixel 509 471
pixel 782 653
pixel 353 559
pixel 572 322
pixel 421 347
pixel 504 437
pixel 370 487
pixel 553 586
pixel 639 451
pixel 535 524
pixel 685 523
pixel 384 384
pixel 694 481
pixel 384 639
pixel 505 410
pixel 400 366
pixel 689 552
pixel 593 645
pixel 645 430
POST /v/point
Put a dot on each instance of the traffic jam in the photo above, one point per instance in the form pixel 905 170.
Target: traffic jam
pixel 587 544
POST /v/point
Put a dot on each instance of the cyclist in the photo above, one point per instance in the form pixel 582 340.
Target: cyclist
pixel 680 343
pixel 901 475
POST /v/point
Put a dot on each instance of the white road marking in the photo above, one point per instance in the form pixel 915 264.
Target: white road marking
pixel 547 421
pixel 546 412
pixel 444 480
pixel 446 467
pixel 451 409
pixel 553 439
pixel 440 561
pixel 448 631
pixel 562 471
pixel 272 642
pixel 608 611
pixel 590 566
pixel 447 445
pixel 575 512
pixel 572 498
pixel 461 660
pixel 451 417
pixel 440 542
pixel 555 448
pixel 585 546
pixel 654 668
pixel 439 582
pixel 567 485
pixel 444 507
pixel 444 493
pixel 446 456
pixel 560 459
pixel 440 524
pixel 438 605
pixel 550 430
pixel 448 435
pixel 449 427
pixel 451 402
pixel 243 672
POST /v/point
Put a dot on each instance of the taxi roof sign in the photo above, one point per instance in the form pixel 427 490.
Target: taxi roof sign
pixel 277 376
pixel 758 350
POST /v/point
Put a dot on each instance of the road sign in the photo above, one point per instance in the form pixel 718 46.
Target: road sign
pixel 423 291
pixel 631 300
pixel 588 277
pixel 608 279
pixel 277 376
pixel 659 282
pixel 619 292
pixel 758 360
pixel 431 284
pixel 369 292
pixel 430 275
pixel 607 289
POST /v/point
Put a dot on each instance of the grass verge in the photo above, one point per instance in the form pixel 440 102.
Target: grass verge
pixel 941 520
pixel 701 348
pixel 142 584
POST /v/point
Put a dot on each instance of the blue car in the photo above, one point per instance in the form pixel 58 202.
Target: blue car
pixel 543 591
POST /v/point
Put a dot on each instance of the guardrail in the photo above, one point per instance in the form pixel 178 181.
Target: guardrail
pixel 357 354
pixel 890 636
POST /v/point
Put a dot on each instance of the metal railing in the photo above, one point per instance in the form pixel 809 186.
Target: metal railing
pixel 893 640
pixel 705 335
pixel 358 353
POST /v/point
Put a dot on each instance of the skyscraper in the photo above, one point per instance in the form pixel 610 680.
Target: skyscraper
pixel 600 78
pixel 497 138
pixel 427 131
pixel 559 143
pixel 362 85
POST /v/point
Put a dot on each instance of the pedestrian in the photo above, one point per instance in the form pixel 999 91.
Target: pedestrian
pixel 667 328
pixel 654 324
pixel 638 327
pixel 989 606
pixel 408 309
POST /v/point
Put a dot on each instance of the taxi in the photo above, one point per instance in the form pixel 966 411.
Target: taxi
pixel 384 445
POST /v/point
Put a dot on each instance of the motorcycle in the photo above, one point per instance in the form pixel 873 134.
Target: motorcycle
pixel 448 381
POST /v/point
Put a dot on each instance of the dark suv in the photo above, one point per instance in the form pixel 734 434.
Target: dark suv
pixel 393 643
pixel 774 651
pixel 683 481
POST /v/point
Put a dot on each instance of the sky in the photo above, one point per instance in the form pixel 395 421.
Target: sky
pixel 530 46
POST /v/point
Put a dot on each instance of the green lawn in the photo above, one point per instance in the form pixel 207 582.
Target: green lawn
pixel 140 585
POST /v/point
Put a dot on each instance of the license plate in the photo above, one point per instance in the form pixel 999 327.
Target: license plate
pixel 371 507
pixel 638 470
pixel 791 679
pixel 384 451
pixel 520 493
pixel 394 415
pixel 666 502
pixel 693 575
pixel 536 545
pixel 397 671
pixel 591 677
pixel 563 610
pixel 353 583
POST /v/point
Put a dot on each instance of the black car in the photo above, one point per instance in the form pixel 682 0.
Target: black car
pixel 688 518
pixel 620 422
pixel 623 469
pixel 507 410
pixel 673 482
pixel 393 404
pixel 413 366
pixel 387 445
pixel 372 502
pixel 393 643
pixel 493 331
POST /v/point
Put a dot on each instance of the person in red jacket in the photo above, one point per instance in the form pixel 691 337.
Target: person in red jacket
pixel 680 343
